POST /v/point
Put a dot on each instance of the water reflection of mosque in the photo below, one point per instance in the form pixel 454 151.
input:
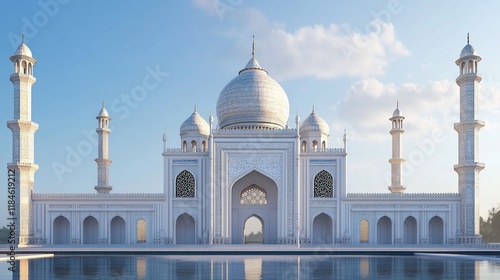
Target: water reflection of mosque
pixel 248 267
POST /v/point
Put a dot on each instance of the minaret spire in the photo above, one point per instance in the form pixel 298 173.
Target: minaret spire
pixel 102 159
pixel 253 46
pixel 468 127
pixel 396 161
pixel 23 167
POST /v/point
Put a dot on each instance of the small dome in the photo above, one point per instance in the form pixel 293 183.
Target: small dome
pixel 468 50
pixel 103 112
pixel 396 113
pixel 314 123
pixel 23 50
pixel 195 123
pixel 253 99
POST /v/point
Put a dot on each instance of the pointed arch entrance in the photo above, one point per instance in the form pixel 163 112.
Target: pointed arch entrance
pixel 185 230
pixel 90 230
pixel 117 230
pixel 61 231
pixel 254 195
pixel 322 229
pixel 410 230
pixel 436 230
pixel 384 230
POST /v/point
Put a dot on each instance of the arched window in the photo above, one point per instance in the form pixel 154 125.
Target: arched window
pixel 141 231
pixel 16 64
pixel 25 67
pixel 323 145
pixel 30 69
pixel 184 184
pixel 470 67
pixel 204 146
pixel 323 184
pixel 462 68
pixel 253 195
pixel 364 233
pixel 304 146
pixel 315 145
pixel 475 66
pixel 193 146
pixel 184 146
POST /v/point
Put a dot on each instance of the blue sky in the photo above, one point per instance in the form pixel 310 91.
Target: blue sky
pixel 351 60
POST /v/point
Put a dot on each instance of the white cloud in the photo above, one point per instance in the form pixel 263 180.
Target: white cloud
pixel 326 52
pixel 370 104
pixel 318 51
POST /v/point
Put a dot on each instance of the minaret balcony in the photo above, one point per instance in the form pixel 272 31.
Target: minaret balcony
pixel 476 165
pixel 460 126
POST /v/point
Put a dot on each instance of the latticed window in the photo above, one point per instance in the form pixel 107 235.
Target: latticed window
pixel 363 231
pixel 323 184
pixel 184 184
pixel 253 195
pixel 141 231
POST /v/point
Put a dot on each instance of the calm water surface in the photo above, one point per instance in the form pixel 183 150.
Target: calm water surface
pixel 256 267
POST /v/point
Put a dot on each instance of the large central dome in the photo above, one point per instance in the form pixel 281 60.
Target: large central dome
pixel 252 100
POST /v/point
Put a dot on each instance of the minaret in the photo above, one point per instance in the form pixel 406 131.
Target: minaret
pixel 468 167
pixel 23 150
pixel 396 160
pixel 102 160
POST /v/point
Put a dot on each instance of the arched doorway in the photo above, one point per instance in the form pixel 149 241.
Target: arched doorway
pixel 322 229
pixel 254 195
pixel 185 230
pixel 410 230
pixel 384 231
pixel 90 230
pixel 253 230
pixel 117 230
pixel 61 231
pixel 436 230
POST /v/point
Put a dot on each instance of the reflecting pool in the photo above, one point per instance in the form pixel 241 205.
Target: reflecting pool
pixel 256 267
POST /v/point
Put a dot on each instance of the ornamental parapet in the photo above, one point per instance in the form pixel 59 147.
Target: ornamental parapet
pixel 336 151
pixel 183 151
pixel 255 132
pixel 403 195
pixel 100 196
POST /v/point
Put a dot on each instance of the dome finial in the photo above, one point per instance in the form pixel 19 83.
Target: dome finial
pixel 195 108
pixel 313 108
pixel 253 46
pixel 467 37
pixel 103 104
pixel 397 104
pixel 22 36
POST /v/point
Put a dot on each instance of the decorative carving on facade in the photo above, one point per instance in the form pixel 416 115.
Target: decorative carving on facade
pixel 323 184
pixel 185 161
pixel 269 165
pixel 323 161
pixel 374 206
pixel 323 203
pixel 185 202
pixel 184 184
pixel 254 132
pixel 403 195
pixel 253 196
pixel 97 195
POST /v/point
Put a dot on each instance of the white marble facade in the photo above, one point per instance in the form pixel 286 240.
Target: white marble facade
pixel 250 164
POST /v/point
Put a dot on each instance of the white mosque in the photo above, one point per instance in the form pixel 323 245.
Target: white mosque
pixel 249 167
